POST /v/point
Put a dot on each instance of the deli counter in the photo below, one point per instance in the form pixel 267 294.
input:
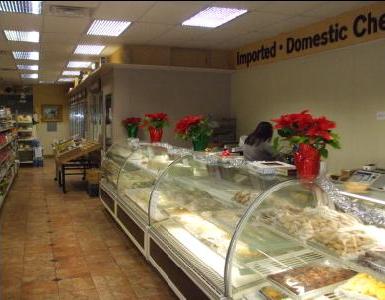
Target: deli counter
pixel 216 229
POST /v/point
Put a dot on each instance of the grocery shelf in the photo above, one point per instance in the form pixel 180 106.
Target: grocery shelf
pixel 26 140
pixel 6 129
pixel 6 171
pixel 6 144
pixel 27 162
pixel 2 197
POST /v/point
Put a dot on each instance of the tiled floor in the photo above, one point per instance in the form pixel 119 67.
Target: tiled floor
pixel 66 246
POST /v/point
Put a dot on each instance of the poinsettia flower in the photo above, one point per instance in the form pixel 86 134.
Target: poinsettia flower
pixel 130 121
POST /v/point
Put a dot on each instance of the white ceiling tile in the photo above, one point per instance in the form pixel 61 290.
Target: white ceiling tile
pixel 90 4
pixel 65 24
pixel 290 8
pixel 249 5
pixel 140 32
pixel 58 48
pixel 62 38
pixel 125 10
pixel 24 22
pixel 180 32
pixel 173 12
pixel 334 8
pixel 20 46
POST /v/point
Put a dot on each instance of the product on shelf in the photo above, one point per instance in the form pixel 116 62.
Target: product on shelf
pixel 244 197
pixel 362 286
pixel 24 119
pixel 374 260
pixel 338 232
pixel 310 278
pixel 271 293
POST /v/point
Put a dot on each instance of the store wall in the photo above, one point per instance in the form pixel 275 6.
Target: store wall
pixel 177 93
pixel 346 85
pixel 51 94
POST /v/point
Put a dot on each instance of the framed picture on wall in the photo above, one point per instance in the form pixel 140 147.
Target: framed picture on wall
pixel 51 113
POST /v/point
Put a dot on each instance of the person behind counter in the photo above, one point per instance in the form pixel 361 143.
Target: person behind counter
pixel 257 144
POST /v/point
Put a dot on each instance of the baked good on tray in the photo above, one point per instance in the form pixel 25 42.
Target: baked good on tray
pixel 362 286
pixel 309 278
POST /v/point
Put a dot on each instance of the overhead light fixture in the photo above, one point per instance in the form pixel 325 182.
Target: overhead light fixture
pixel 107 27
pixel 46 81
pixel 34 55
pixel 27 7
pixel 79 64
pixel 71 73
pixel 66 79
pixel 214 16
pixel 89 49
pixel 22 36
pixel 30 76
pixel 28 67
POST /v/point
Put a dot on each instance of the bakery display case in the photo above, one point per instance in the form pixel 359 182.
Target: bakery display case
pixel 241 235
pixel 195 209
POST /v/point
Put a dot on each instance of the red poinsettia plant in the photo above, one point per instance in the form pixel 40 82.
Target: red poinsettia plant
pixel 193 127
pixel 134 121
pixel 303 128
pixel 156 120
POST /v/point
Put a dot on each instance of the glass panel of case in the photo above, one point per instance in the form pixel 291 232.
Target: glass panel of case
pixel 196 206
pixel 321 247
pixel 139 174
pixel 113 161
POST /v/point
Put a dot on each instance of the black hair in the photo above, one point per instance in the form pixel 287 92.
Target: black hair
pixel 263 133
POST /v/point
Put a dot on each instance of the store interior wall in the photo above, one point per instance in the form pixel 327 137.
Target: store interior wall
pixel 177 93
pixel 345 85
pixel 51 94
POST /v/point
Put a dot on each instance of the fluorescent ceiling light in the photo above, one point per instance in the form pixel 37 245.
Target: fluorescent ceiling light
pixel 71 73
pixel 46 81
pixel 28 67
pixel 22 36
pixel 107 27
pixel 27 7
pixel 66 79
pixel 89 49
pixel 30 76
pixel 34 55
pixel 79 64
pixel 214 16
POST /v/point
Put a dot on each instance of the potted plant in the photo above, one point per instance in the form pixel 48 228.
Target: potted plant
pixel 155 124
pixel 195 128
pixel 132 125
pixel 308 136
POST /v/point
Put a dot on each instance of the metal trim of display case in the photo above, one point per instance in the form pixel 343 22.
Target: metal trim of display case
pixel 176 257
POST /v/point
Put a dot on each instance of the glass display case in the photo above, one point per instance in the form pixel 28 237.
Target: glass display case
pixel 239 234
pixel 139 174
pixel 112 163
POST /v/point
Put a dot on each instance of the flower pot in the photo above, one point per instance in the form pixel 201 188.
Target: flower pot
pixel 307 161
pixel 155 134
pixel 200 143
pixel 132 131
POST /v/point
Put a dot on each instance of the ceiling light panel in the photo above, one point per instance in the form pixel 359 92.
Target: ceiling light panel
pixel 71 73
pixel 22 36
pixel 214 16
pixel 27 7
pixel 79 64
pixel 26 55
pixel 89 49
pixel 107 27
pixel 66 79
pixel 30 76
pixel 28 67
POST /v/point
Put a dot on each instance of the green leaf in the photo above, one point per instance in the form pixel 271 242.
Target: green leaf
pixel 324 152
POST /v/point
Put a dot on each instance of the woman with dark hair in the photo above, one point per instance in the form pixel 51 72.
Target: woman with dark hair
pixel 257 146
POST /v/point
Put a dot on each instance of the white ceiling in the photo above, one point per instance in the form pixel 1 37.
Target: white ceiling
pixel 153 23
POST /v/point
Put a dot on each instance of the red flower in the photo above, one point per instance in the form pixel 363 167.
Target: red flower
pixel 186 122
pixel 321 128
pixel 132 121
pixel 157 116
pixel 298 122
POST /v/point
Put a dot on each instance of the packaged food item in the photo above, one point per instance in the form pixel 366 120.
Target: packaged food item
pixel 303 280
pixel 362 286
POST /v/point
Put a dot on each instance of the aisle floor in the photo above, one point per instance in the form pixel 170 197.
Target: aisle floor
pixel 66 246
